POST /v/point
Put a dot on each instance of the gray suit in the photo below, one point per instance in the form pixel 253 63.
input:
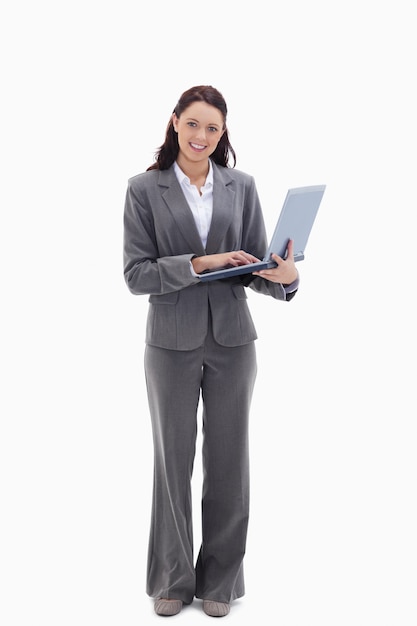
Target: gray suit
pixel 200 339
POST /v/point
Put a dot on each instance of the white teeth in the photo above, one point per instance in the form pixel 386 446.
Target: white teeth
pixel 196 146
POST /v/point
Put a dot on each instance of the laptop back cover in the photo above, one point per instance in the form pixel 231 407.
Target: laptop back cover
pixel 296 220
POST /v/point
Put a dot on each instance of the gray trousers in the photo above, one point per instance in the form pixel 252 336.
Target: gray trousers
pixel 225 378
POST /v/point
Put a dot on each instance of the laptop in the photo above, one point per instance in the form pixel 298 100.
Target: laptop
pixel 295 222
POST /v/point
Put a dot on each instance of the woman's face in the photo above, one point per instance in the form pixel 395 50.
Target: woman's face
pixel 199 128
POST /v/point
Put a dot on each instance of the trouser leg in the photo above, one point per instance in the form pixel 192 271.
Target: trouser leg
pixel 173 382
pixel 227 385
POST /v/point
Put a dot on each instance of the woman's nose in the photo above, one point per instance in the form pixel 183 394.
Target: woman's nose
pixel 201 134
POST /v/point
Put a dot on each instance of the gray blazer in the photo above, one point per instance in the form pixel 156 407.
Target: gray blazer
pixel 161 238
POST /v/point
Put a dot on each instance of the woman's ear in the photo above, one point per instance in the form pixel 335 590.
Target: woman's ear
pixel 174 119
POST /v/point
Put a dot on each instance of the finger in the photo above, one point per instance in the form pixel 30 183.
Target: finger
pixel 244 258
pixel 250 257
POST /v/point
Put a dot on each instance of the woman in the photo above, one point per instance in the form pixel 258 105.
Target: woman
pixel 188 213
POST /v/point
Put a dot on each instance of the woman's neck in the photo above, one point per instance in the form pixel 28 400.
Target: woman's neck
pixel 196 172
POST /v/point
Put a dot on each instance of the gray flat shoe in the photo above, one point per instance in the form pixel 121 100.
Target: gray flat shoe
pixel 166 607
pixel 216 609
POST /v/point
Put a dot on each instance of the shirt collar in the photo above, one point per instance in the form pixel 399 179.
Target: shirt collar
pixel 184 178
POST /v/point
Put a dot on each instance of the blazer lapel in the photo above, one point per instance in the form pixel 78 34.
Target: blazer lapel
pixel 179 209
pixel 223 208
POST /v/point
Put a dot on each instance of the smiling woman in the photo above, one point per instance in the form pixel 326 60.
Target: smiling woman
pixel 190 212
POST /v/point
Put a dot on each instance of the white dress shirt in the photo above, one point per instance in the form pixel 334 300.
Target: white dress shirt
pixel 200 205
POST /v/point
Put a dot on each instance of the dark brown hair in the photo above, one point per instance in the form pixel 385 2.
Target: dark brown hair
pixel 167 153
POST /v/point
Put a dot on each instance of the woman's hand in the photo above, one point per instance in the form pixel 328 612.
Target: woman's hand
pixel 225 259
pixel 286 272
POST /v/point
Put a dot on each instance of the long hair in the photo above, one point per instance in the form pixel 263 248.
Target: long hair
pixel 168 152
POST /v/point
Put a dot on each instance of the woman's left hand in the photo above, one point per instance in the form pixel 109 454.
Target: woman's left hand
pixel 285 272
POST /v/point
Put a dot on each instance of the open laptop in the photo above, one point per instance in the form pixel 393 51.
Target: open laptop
pixel 295 222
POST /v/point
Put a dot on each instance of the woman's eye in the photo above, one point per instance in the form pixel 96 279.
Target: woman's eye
pixel 193 124
pixel 212 129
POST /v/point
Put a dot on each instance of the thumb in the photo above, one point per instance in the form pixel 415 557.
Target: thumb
pixel 290 249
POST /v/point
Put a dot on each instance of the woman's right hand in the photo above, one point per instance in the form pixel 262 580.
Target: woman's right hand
pixel 225 259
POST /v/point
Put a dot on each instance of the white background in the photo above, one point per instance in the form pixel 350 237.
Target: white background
pixel 318 92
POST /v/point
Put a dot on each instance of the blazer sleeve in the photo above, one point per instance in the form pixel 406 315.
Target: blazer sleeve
pixel 146 269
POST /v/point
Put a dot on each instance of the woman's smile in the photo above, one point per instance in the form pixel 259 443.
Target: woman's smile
pixel 197 147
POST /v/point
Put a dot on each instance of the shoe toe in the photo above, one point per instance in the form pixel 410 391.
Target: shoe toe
pixel 215 609
pixel 167 607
